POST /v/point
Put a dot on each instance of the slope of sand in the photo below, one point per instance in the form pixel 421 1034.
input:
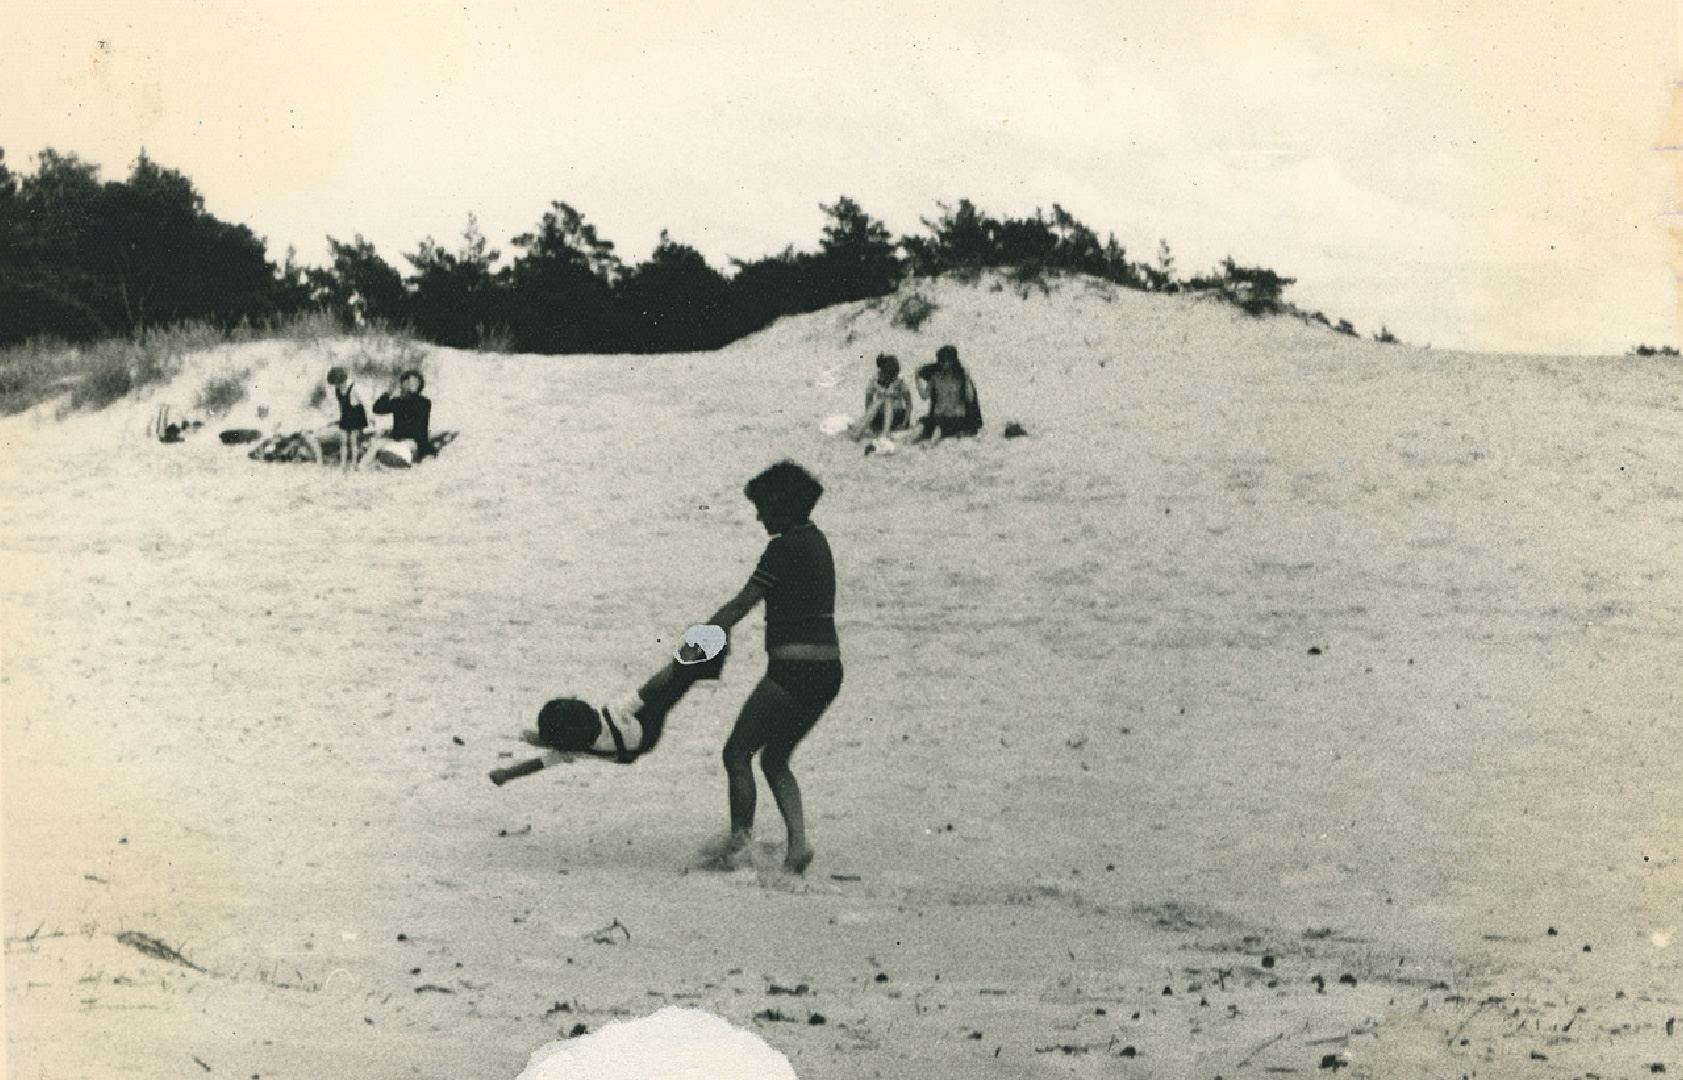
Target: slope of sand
pixel 1282 701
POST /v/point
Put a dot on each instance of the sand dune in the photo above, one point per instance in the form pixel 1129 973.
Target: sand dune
pixel 1284 700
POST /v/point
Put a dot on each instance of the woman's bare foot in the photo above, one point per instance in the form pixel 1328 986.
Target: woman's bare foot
pixel 798 859
pixel 721 854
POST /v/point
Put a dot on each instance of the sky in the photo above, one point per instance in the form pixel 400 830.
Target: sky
pixel 1482 174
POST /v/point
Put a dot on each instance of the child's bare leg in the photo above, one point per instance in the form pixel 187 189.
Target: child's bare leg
pixel 774 762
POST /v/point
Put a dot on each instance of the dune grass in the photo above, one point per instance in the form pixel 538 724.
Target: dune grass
pixel 222 392
pixel 94 375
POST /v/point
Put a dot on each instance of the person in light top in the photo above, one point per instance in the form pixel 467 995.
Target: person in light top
pixel 888 402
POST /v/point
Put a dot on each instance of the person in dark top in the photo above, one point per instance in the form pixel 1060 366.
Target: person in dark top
pixel 411 412
pixel 796 577
pixel 954 409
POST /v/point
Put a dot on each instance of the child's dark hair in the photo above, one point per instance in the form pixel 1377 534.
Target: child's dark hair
pixel 888 365
pixel 786 487
pixel 337 375
pixel 568 724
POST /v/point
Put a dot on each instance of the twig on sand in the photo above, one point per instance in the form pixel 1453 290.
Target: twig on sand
pixel 1248 1058
pixel 1470 1017
pixel 605 936
pixel 152 947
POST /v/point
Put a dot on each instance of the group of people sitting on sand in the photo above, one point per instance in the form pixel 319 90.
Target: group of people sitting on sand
pixel 350 440
pixel 954 409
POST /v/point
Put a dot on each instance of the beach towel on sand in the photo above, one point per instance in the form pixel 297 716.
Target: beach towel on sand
pixel 296 447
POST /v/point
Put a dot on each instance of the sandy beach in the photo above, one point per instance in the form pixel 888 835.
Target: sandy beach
pixel 1284 702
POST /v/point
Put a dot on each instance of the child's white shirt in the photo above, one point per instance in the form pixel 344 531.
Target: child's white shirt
pixel 621 713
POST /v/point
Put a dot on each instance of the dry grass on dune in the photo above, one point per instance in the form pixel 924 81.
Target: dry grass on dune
pixel 1269 658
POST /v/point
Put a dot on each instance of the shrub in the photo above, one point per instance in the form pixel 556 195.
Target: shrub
pixel 493 339
pixel 112 369
pixel 1651 350
pixel 108 375
pixel 1255 290
pixel 221 393
pixel 383 355
pixel 913 311
pixel 32 372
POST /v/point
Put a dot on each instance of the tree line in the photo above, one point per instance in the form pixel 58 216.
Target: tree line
pixel 82 259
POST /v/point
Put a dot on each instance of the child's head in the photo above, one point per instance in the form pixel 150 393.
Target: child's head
pixel 568 724
pixel 411 382
pixel 947 356
pixel 888 368
pixel 784 495
pixel 337 376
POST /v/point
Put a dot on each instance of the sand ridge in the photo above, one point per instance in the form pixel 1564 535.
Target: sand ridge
pixel 1270 658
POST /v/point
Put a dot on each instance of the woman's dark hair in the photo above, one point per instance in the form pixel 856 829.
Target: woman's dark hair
pixel 413 374
pixel 947 352
pixel 786 487
pixel 337 375
pixel 568 724
pixel 888 364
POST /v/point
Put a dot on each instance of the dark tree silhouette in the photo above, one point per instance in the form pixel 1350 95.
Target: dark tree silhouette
pixel 358 270
pixel 456 298
pixel 857 254
pixel 84 258
pixel 80 258
pixel 563 299
pixel 674 302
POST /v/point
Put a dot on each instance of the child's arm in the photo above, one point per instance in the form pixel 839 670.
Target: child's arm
pixel 738 606
pixel 871 413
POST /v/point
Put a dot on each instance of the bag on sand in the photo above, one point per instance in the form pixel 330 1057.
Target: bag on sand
pixel 395 455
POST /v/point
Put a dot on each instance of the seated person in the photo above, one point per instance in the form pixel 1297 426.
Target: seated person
pixel 888 403
pixel 409 439
pixel 954 409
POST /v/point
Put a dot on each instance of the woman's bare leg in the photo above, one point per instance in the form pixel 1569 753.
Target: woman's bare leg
pixel 774 762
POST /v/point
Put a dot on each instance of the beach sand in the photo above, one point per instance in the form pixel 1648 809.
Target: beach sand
pixel 1282 702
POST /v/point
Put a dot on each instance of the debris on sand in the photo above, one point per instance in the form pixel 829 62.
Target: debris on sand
pixel 611 934
pixel 673 1042
pixel 152 947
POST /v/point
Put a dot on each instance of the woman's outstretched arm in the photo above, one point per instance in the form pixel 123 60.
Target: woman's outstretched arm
pixel 738 606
